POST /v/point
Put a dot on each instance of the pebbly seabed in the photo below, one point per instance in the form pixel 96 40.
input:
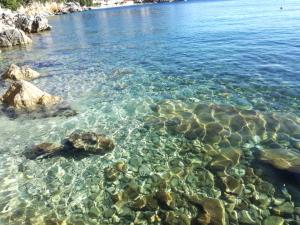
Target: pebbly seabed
pixel 198 103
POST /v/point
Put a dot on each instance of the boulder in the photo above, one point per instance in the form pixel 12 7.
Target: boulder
pixel 19 73
pixel 32 24
pixel 10 36
pixel 23 95
pixel 89 142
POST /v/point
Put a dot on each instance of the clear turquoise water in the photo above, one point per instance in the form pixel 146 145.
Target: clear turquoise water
pixel 112 66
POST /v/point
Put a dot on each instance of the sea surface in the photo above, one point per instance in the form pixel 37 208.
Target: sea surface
pixel 201 99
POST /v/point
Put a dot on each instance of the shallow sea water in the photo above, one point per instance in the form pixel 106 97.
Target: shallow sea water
pixel 154 78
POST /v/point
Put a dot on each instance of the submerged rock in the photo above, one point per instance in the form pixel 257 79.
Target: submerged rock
pixel 286 208
pixel 44 149
pixel 214 210
pixel 90 142
pixel 283 159
pixel 15 72
pixel 23 95
pixel 273 220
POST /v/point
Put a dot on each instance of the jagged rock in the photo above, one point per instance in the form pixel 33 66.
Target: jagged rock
pixel 71 7
pixel 19 73
pixel 283 159
pixel 32 24
pixel 90 142
pixel 23 95
pixel 10 36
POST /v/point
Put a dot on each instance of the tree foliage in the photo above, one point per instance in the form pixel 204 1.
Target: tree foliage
pixel 11 4
pixel 14 4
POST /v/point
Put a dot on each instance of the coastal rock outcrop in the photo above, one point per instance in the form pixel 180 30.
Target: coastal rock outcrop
pixel 23 95
pixel 15 72
pixel 32 24
pixel 14 24
pixel 90 142
pixel 10 36
pixel 71 7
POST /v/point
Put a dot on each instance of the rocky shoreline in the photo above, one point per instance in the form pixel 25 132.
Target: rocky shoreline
pixel 16 27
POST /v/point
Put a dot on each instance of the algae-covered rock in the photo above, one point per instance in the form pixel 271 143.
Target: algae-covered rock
pixel 246 218
pixel 286 208
pixel 165 199
pixel 273 220
pixel 90 142
pixel 19 73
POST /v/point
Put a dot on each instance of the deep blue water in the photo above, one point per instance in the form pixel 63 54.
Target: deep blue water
pixel 113 65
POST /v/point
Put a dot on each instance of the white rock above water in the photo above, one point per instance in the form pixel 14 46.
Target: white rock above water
pixel 15 72
pixel 23 95
pixel 10 36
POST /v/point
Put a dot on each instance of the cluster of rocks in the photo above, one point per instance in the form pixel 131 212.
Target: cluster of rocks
pixel 14 27
pixel 22 97
pixel 276 137
pixel 71 7
pixel 21 94
pixel 78 143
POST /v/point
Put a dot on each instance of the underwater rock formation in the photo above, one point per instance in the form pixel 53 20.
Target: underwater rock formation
pixel 43 149
pixel 282 159
pixel 90 142
pixel 78 142
pixel 15 72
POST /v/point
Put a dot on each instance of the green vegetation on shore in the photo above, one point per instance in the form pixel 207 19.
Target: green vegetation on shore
pixel 14 4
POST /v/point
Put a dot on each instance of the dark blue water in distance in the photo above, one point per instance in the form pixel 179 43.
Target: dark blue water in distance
pixel 201 99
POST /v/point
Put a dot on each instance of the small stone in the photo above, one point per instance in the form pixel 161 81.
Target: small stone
pixel 120 166
pixel 110 174
pixel 165 199
pixel 139 203
pixel 273 220
pixel 246 218
pixel 233 185
pixel 108 213
pixel 94 211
